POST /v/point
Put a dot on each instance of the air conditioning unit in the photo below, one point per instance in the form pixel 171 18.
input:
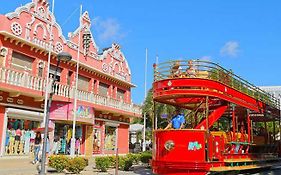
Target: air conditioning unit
pixel 3 51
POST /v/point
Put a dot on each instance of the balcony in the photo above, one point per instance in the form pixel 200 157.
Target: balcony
pixel 38 85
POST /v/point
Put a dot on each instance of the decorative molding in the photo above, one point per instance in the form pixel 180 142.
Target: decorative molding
pixel 16 28
pixel 44 30
pixel 19 10
pixel 58 47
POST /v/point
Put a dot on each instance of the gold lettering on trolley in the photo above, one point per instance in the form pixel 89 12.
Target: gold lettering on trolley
pixel 1 98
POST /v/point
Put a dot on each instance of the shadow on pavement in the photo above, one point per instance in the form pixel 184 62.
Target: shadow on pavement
pixel 142 170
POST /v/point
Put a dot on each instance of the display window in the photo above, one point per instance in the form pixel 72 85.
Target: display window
pixel 110 137
pixel 20 136
pixel 62 139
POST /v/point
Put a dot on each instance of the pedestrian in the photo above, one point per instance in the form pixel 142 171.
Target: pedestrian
pixel 37 145
pixel 55 146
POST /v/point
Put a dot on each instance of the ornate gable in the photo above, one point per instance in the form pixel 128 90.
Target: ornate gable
pixel 32 23
pixel 115 63
pixel 74 37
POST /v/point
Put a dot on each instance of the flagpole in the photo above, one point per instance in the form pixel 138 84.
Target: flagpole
pixel 72 147
pixel 145 91
pixel 48 67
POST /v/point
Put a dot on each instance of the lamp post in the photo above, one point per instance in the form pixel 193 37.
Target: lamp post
pixel 63 56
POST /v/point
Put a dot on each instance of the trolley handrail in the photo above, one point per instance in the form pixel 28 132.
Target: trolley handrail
pixel 208 70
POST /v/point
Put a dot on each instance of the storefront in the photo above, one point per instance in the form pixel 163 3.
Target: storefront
pixel 62 139
pixel 109 134
pixel 19 131
pixel 62 115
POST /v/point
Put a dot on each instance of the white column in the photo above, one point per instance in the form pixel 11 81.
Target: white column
pixel 2 151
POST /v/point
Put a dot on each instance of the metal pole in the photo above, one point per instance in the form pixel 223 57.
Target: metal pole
pixel 207 127
pixel 72 147
pixel 249 126
pixel 144 118
pixel 144 125
pixel 156 116
pixel 47 102
pixel 116 152
pixel 233 124
pixel 48 67
pixel 43 161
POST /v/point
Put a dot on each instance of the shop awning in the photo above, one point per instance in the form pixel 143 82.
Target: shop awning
pixel 24 114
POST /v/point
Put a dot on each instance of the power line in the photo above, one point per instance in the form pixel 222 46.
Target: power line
pixel 68 18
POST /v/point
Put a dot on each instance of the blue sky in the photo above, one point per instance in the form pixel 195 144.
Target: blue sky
pixel 244 36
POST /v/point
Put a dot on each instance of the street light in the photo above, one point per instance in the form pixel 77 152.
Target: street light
pixel 63 56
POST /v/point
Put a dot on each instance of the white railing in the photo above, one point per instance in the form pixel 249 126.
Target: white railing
pixel 25 80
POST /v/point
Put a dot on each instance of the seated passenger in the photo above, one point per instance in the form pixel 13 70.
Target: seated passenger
pixel 177 121
pixel 191 71
pixel 175 70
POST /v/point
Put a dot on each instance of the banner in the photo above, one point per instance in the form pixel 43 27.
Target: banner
pixel 64 111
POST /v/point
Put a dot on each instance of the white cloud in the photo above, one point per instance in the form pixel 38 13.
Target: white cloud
pixel 230 48
pixel 108 30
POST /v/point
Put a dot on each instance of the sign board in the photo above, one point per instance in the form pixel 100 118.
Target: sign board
pixel 64 111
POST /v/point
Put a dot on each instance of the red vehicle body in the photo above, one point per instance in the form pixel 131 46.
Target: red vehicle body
pixel 224 114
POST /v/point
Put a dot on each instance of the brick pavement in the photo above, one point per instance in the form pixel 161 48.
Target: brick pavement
pixel 23 166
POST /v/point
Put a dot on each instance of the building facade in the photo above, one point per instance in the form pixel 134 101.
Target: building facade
pixel 28 37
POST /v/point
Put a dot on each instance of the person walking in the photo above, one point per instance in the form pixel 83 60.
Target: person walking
pixel 37 145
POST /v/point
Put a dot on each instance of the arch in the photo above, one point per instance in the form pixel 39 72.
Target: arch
pixel 116 64
pixel 43 27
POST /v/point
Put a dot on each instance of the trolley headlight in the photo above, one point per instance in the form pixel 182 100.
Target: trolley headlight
pixel 169 145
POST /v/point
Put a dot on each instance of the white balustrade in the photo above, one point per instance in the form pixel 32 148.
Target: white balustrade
pixel 25 80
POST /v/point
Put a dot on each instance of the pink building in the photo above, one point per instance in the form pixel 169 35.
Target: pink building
pixel 104 108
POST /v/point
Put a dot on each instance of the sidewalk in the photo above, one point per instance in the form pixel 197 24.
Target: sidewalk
pixel 17 166
pixel 23 166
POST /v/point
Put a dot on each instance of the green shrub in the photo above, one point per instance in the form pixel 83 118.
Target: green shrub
pixel 58 162
pixel 125 163
pixel 102 163
pixel 112 160
pixel 145 157
pixel 76 164
pixel 134 157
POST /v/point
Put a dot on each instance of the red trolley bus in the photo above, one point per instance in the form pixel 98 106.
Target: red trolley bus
pixel 231 125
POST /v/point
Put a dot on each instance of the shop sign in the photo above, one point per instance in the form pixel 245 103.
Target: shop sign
pixel 64 111
pixel 84 112
pixel 60 111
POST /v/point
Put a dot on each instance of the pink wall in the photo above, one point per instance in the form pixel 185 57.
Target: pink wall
pixel 2 113
pixel 123 138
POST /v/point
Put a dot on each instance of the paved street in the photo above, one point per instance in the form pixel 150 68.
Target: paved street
pixel 23 166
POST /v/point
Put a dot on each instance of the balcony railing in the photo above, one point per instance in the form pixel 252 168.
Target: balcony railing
pixel 26 80
pixel 208 70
